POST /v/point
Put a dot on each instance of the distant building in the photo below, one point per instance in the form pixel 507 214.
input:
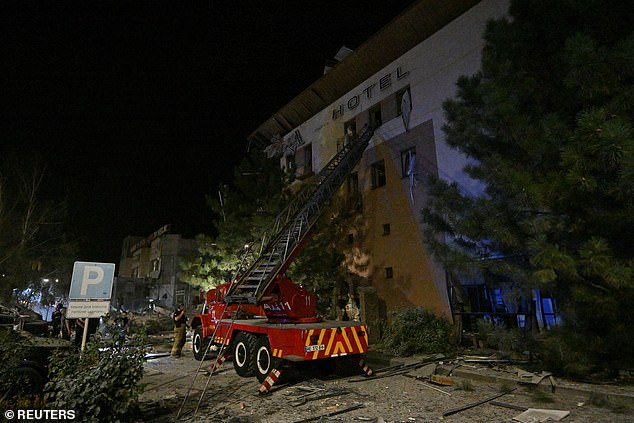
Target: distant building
pixel 395 82
pixel 149 269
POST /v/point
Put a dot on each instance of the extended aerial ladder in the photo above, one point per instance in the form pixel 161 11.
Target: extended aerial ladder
pixel 294 223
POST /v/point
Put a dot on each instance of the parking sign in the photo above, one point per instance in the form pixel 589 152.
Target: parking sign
pixel 91 281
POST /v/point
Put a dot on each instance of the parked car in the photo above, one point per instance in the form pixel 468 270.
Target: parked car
pixel 31 332
pixel 34 366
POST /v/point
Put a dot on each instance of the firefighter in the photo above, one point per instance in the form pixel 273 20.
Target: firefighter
pixel 180 330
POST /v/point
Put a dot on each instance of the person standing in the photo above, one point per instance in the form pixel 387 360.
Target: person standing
pixel 93 325
pixel 67 325
pixel 79 330
pixel 180 330
pixel 125 322
pixel 56 320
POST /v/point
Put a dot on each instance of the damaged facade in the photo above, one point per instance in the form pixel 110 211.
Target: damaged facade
pixel 396 83
pixel 149 269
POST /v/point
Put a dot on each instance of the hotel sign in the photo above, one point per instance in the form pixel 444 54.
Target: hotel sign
pixel 368 92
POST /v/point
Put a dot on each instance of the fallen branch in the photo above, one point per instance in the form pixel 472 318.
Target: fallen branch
pixel 475 404
pixel 332 413
pixel 418 378
pixel 396 370
pixel 304 399
pixel 434 388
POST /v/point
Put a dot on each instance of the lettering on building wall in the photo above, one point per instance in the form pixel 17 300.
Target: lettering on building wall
pixel 368 92
pixel 146 241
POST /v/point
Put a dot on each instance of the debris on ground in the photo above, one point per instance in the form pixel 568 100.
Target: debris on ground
pixel 535 415
pixel 475 404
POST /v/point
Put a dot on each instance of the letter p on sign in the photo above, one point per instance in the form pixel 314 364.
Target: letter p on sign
pixel 92 276
pixel 91 281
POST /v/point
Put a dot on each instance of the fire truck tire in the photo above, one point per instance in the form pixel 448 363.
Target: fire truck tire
pixel 243 348
pixel 32 380
pixel 200 345
pixel 262 358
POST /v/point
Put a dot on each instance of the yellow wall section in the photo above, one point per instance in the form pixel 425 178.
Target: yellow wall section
pixel 403 249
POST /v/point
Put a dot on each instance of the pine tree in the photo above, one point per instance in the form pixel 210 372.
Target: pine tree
pixel 244 211
pixel 549 123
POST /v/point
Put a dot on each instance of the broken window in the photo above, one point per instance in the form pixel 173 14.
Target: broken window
pixel 408 160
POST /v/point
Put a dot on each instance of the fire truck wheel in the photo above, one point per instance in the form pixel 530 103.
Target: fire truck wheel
pixel 200 345
pixel 262 358
pixel 32 380
pixel 243 354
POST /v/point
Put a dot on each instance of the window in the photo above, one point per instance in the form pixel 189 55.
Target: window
pixel 375 117
pixel 378 174
pixel 408 161
pixel 386 229
pixel 389 273
pixel 308 159
pixel 548 310
pixel 399 100
pixel 477 299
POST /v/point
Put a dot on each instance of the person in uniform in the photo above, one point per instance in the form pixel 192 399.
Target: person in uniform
pixel 180 331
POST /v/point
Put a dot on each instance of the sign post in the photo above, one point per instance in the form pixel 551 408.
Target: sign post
pixel 90 292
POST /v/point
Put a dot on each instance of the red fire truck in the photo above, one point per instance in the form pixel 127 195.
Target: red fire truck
pixel 263 320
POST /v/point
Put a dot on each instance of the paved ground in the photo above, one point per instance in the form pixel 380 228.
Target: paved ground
pixel 400 392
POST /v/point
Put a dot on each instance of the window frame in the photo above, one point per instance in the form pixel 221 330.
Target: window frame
pixel 406 156
pixel 399 99
pixel 389 272
pixel 378 175
pixel 373 112
pixel 308 158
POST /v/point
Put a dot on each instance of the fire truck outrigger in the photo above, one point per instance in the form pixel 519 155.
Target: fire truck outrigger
pixel 263 320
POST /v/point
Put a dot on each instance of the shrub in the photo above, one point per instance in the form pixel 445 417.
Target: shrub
pixel 100 384
pixel 504 339
pixel 415 330
pixel 572 354
pixel 11 353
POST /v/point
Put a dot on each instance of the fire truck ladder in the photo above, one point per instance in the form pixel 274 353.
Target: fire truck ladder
pixel 293 223
pixel 221 355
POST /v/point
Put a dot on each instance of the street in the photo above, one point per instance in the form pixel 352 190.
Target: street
pixel 391 396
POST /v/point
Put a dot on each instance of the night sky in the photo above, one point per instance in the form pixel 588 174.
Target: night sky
pixel 142 108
